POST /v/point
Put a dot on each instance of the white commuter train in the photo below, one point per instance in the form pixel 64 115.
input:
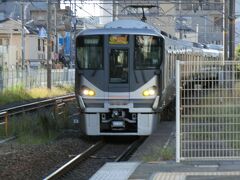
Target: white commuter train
pixel 125 76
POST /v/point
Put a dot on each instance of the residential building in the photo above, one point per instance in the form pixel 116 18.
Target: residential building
pixel 204 17
pixel 60 27
pixel 11 45
pixel 35 20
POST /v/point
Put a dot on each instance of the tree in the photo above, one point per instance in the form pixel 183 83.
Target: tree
pixel 238 52
pixel 237 57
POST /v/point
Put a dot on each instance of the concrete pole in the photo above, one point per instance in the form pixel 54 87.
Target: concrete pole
pixel 75 34
pixel 197 30
pixel 180 12
pixel 23 34
pixel 71 14
pixel 232 30
pixel 225 30
pixel 49 61
pixel 55 29
pixel 205 29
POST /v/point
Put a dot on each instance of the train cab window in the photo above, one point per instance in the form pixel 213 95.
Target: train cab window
pixel 90 52
pixel 147 53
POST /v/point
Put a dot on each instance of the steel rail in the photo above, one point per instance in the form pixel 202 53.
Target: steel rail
pixel 76 160
pixel 70 165
pixel 36 105
pixel 130 150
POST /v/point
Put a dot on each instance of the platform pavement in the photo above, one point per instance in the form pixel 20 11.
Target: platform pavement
pixel 189 171
pixel 147 163
pixel 159 169
pixel 169 171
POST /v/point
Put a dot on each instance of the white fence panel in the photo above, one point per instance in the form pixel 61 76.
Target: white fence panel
pixel 31 78
pixel 208 110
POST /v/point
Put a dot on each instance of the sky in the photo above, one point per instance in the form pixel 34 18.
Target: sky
pixel 95 10
pixel 85 10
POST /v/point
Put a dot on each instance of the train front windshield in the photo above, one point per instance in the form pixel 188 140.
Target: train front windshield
pixel 147 52
pixel 90 52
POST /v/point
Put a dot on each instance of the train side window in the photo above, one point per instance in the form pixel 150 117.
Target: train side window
pixel 90 52
pixel 147 53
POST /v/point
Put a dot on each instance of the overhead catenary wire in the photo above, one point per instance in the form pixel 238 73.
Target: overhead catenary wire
pixel 124 2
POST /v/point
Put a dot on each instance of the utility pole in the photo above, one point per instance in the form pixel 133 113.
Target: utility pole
pixel 231 30
pixel 225 30
pixel 71 29
pixel 75 33
pixel 49 62
pixel 205 29
pixel 55 28
pixel 23 34
pixel 197 30
pixel 180 12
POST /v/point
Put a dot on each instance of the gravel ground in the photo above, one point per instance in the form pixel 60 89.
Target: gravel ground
pixel 18 161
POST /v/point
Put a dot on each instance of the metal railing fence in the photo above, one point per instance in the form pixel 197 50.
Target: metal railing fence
pixel 31 78
pixel 207 110
pixel 4 122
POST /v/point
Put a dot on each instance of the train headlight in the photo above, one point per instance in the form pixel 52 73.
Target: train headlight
pixel 88 92
pixel 150 92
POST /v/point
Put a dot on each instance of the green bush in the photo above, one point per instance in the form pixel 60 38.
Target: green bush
pixel 36 128
pixel 14 94
pixel 18 93
pixel 167 153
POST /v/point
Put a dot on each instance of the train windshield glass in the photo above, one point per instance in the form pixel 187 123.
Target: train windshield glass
pixel 90 52
pixel 147 52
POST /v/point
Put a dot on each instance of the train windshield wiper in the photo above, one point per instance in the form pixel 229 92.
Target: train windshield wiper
pixel 135 76
pixel 94 72
pixel 143 76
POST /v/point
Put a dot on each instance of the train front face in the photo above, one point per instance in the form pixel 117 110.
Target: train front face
pixel 117 82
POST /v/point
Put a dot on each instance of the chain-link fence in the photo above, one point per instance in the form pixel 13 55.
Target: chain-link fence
pixel 31 78
pixel 208 110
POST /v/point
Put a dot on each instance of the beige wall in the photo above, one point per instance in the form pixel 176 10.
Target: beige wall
pixel 31 46
pixel 13 54
pixel 12 50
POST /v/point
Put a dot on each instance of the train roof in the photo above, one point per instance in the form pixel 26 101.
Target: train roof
pixel 124 27
pixel 129 24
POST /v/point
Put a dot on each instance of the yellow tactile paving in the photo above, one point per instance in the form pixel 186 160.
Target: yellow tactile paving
pixel 183 175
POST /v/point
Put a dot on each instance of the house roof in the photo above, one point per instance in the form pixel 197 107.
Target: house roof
pixel 183 27
pixel 9 24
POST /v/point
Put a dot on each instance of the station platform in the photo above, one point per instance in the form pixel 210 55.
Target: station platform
pixel 167 171
pixel 149 162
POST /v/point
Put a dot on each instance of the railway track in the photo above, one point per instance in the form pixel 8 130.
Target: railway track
pixel 36 105
pixel 84 165
pixel 57 102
